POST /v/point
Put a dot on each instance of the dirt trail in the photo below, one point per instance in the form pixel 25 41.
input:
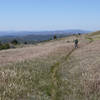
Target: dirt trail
pixel 55 78
pixel 55 67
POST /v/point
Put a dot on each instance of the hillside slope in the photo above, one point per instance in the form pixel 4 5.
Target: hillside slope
pixel 82 72
pixel 52 71
pixel 95 33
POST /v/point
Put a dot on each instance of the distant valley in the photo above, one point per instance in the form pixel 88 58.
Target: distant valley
pixel 32 36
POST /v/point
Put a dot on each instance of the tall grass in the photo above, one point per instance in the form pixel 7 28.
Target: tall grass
pixel 25 81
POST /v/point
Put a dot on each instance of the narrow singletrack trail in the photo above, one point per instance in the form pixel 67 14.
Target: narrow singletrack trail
pixel 55 78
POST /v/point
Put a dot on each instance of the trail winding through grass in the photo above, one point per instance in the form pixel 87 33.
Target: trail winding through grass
pixel 55 77
pixel 54 70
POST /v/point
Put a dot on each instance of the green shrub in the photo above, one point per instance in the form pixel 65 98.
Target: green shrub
pixel 4 46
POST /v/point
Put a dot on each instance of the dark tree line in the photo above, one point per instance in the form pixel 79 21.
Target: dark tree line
pixel 8 45
pixel 15 42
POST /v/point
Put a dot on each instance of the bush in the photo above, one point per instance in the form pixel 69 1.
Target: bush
pixel 4 46
pixel 25 43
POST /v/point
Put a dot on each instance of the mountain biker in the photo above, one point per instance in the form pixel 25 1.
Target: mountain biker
pixel 76 43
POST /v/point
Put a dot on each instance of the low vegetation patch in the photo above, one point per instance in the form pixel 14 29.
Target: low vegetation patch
pixel 4 46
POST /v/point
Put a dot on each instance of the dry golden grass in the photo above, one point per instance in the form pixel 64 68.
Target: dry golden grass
pixel 29 77
pixel 81 74
pixel 36 72
pixel 28 53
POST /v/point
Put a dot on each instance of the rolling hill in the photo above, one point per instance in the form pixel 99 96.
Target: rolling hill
pixel 52 70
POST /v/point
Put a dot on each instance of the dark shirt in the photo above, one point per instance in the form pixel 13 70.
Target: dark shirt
pixel 76 41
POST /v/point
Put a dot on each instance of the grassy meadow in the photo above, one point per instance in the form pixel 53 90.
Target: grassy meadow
pixel 56 72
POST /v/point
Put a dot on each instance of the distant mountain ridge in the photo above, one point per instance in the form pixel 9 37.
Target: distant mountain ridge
pixel 32 37
pixel 23 33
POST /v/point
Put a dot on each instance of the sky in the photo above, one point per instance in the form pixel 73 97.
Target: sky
pixel 37 15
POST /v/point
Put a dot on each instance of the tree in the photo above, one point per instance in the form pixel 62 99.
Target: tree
pixel 55 37
pixel 25 42
pixel 0 43
pixel 79 33
pixel 15 42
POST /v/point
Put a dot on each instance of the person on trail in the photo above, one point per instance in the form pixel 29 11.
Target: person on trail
pixel 76 43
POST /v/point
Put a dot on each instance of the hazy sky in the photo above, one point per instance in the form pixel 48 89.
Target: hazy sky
pixel 49 14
